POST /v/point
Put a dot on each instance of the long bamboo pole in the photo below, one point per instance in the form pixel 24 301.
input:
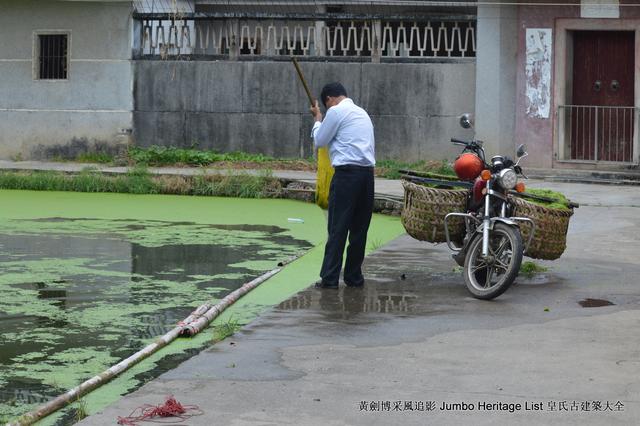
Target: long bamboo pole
pixel 199 324
pixel 312 101
pixel 325 171
pixel 194 323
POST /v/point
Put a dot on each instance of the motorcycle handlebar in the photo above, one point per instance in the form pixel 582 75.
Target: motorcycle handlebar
pixel 459 142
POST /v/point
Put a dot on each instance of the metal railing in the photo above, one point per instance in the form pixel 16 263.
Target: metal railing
pixel 272 38
pixel 592 133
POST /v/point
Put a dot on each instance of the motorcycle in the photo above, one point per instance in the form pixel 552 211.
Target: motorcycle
pixel 492 248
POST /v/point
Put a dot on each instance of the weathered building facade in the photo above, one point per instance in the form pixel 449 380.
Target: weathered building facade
pixel 217 75
pixel 563 79
pixel 220 76
pixel 66 78
pixel 594 63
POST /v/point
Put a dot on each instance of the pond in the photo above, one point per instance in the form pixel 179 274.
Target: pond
pixel 89 279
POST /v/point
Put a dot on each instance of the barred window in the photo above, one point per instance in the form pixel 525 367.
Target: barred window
pixel 53 56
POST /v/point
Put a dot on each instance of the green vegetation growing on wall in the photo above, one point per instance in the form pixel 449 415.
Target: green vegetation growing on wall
pixel 165 156
pixel 161 156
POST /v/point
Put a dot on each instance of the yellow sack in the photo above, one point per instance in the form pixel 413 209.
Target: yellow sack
pixel 325 173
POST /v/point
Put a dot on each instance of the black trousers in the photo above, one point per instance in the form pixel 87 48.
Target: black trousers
pixel 350 209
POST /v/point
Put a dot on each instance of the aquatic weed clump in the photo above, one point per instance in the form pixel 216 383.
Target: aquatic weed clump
pixel 138 180
pixel 175 184
pixel 37 181
pixel 241 185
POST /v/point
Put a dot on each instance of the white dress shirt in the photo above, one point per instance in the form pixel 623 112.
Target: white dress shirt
pixel 348 131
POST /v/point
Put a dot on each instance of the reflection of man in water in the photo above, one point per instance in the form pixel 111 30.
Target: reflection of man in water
pixel 347 130
pixel 342 305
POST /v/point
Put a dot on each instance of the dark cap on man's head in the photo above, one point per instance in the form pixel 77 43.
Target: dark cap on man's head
pixel 332 89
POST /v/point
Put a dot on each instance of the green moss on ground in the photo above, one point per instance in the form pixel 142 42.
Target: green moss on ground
pixel 530 269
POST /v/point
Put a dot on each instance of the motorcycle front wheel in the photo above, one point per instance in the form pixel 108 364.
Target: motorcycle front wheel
pixel 487 278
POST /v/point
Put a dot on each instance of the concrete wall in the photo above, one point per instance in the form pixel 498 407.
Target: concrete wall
pixel 40 118
pixel 496 78
pixel 260 107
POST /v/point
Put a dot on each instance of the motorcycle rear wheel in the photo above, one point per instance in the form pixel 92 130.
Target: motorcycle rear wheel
pixel 488 278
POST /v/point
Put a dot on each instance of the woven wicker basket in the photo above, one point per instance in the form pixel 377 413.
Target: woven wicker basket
pixel 550 238
pixel 424 211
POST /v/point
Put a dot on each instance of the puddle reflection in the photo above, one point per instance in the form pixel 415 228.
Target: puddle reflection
pixel 369 299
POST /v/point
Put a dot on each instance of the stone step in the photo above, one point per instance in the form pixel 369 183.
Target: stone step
pixel 586 176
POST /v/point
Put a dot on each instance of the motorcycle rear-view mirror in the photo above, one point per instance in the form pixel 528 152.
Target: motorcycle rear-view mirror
pixel 466 121
pixel 521 151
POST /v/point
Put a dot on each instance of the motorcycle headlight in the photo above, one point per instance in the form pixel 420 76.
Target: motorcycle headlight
pixel 508 178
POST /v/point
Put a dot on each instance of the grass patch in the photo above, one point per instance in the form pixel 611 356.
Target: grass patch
pixel 241 185
pixel 162 156
pixel 166 156
pixel 95 157
pixel 529 269
pixel 172 156
pixel 390 169
pixel 136 181
pixel 139 181
pixel 80 410
pixel 224 330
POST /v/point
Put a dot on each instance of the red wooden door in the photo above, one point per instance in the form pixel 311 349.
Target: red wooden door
pixel 603 84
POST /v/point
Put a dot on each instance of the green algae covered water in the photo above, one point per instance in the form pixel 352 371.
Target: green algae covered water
pixel 89 279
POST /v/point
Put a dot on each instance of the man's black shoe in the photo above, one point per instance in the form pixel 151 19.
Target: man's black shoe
pixel 322 284
pixel 355 285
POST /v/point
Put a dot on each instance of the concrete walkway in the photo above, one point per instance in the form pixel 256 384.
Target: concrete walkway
pixel 412 347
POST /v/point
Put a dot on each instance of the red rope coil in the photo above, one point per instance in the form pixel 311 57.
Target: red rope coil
pixel 151 413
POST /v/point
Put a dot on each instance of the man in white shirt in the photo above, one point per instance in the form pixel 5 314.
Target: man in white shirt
pixel 348 131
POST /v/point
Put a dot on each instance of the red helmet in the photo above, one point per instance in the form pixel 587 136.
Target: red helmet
pixel 468 166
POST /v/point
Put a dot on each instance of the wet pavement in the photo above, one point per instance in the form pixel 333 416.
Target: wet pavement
pixel 412 347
